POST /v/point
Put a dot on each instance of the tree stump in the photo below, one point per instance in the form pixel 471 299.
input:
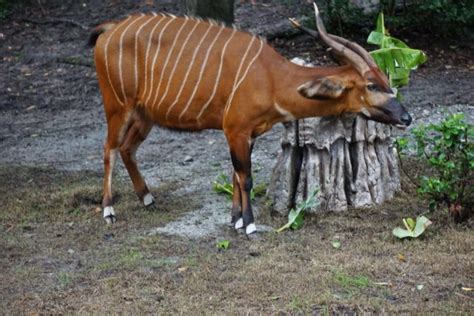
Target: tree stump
pixel 351 160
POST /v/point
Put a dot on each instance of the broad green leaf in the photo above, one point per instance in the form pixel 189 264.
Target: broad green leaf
pixel 422 222
pixel 381 24
pixel 296 216
pixel 409 223
pixel 375 38
pixel 223 244
pixel 394 57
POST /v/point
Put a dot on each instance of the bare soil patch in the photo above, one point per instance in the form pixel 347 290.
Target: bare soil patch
pixel 59 257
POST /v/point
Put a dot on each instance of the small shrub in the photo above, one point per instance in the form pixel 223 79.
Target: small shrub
pixel 448 149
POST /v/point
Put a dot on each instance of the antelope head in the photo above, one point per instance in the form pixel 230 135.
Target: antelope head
pixel 366 90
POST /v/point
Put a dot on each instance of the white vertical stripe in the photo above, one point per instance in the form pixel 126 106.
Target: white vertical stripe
pixel 216 84
pixel 237 74
pixel 170 77
pixel 120 61
pixel 107 62
pixel 155 58
pixel 201 72
pixel 136 50
pixel 236 86
pixel 157 91
pixel 150 38
pixel 191 64
pixel 188 70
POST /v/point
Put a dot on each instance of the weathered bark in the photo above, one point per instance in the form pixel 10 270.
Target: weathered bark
pixel 222 10
pixel 351 160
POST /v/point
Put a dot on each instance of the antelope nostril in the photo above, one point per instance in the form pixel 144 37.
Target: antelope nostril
pixel 406 119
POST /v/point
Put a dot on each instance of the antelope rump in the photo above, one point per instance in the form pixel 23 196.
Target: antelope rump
pixel 189 74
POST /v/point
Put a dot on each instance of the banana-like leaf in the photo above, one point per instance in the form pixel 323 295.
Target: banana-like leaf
pixel 394 57
pixel 296 216
pixel 413 228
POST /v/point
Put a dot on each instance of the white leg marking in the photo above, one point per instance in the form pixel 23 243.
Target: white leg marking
pixel 136 50
pixel 106 56
pixel 112 156
pixel 152 72
pixel 191 64
pixel 109 215
pixel 239 224
pixel 236 86
pixel 216 84
pixel 109 211
pixel 150 38
pixel 120 61
pixel 250 229
pixel 148 199
pixel 170 77
pixel 237 177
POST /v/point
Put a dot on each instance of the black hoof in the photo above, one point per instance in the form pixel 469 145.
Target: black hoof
pixel 111 219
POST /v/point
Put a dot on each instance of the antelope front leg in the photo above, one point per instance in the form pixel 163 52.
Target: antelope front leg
pixel 240 152
pixel 236 214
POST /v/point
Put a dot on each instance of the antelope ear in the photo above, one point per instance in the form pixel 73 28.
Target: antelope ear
pixel 322 88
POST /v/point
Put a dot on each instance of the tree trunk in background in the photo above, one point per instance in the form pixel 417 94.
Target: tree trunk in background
pixel 351 160
pixel 222 10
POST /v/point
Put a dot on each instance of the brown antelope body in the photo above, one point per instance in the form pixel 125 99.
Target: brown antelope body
pixel 188 74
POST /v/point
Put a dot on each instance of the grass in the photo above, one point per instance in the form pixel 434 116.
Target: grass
pixel 56 258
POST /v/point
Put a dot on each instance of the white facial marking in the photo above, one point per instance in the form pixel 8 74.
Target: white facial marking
pixel 148 199
pixel 239 224
pixel 237 84
pixel 216 84
pixel 286 114
pixel 250 229
pixel 106 55
pixel 120 61
pixel 163 68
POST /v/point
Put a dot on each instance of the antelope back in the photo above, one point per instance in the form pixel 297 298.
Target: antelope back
pixel 184 72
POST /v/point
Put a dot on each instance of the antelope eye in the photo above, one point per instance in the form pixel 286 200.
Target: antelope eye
pixel 372 87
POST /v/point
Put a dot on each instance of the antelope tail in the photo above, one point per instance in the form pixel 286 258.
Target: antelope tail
pixel 98 30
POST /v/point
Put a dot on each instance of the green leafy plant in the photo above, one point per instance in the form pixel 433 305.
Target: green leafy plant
pixel 222 185
pixel 446 17
pixel 413 228
pixel 223 244
pixel 296 216
pixel 448 149
pixel 394 57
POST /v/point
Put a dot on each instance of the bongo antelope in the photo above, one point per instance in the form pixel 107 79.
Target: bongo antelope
pixel 185 73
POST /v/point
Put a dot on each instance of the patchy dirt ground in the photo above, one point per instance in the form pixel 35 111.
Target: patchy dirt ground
pixel 59 257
